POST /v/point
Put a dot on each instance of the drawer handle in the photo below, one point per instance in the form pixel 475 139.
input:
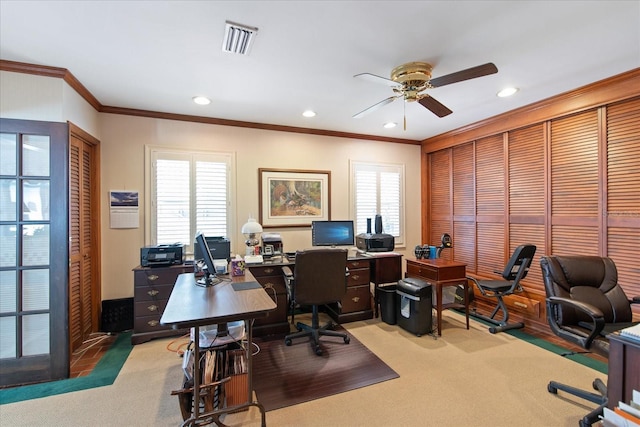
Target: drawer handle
pixel 153 292
pixel 153 277
pixel 355 263
pixel 519 304
pixel 355 299
pixel 355 277
pixel 152 323
pixel 152 307
pixel 269 270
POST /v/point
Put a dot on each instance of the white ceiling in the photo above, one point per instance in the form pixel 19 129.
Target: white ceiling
pixel 157 55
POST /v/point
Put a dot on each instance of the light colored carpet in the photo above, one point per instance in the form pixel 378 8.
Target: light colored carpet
pixel 464 378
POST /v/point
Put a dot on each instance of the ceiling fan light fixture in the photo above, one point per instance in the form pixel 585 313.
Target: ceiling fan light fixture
pixel 507 91
pixel 201 100
pixel 238 38
pixel 309 113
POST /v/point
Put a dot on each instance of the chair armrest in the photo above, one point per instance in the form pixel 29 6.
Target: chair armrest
pixel 596 315
pixel 287 272
pixel 480 288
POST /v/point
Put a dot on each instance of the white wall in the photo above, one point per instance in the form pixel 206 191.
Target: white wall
pixel 122 142
pixel 122 155
pixel 49 99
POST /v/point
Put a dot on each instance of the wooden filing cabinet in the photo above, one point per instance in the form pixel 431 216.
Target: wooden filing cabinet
pixel 356 304
pixel 152 288
pixel 271 277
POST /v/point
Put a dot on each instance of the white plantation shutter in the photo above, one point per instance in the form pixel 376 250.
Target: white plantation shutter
pixel 190 192
pixel 378 189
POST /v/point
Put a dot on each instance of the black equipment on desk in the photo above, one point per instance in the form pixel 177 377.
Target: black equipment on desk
pixel 220 248
pixel 375 242
pixel 162 255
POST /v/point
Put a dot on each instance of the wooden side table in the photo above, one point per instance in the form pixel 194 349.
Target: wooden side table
pixel 441 273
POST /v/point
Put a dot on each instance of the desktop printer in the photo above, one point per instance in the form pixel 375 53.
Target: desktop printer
pixel 378 242
pixel 271 245
pixel 162 255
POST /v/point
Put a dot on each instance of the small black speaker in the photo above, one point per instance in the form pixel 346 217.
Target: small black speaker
pixel 368 225
pixel 378 224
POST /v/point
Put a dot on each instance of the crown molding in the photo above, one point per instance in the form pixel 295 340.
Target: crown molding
pixel 63 73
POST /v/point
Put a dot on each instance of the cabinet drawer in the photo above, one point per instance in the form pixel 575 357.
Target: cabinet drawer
pixel 433 273
pixel 356 264
pixel 266 270
pixel 358 277
pixel 149 308
pixel 149 324
pixel 152 292
pixel 158 276
pixel 358 298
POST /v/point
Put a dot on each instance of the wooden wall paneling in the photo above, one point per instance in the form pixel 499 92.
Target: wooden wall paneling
pixel 574 240
pixel 440 212
pixel 574 166
pixel 464 205
pixel 573 187
pixel 574 184
pixel 534 234
pixel 464 245
pixel 490 177
pixel 491 254
pixel 490 203
pixel 622 211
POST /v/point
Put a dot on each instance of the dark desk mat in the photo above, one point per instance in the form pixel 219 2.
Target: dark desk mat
pixel 243 286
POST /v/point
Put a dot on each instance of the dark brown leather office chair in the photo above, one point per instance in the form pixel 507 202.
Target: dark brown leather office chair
pixel 584 304
pixel 515 270
pixel 319 277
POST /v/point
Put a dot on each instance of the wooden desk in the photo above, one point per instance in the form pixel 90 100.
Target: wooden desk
pixel 380 268
pixel 440 273
pixel 192 306
pixel 624 369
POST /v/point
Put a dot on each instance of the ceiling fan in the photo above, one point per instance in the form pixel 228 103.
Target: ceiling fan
pixel 409 80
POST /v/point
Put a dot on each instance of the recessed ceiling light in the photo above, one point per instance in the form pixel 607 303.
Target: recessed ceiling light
pixel 309 113
pixel 390 125
pixel 507 91
pixel 201 100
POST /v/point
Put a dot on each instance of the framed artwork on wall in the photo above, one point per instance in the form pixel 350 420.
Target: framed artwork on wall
pixel 293 197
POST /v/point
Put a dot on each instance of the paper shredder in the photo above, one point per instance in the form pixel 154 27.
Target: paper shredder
pixel 414 301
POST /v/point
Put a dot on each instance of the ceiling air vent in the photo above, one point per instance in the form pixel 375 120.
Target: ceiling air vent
pixel 238 38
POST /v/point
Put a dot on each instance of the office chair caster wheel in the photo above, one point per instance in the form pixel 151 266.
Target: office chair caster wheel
pixel 318 351
pixel 552 389
pixel 492 330
pixel 287 342
pixel 347 340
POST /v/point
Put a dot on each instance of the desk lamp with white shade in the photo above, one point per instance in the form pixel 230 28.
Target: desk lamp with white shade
pixel 251 231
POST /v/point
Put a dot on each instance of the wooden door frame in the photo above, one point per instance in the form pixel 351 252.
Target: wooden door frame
pixel 96 288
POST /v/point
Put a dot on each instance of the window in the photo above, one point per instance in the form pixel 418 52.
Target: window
pixel 378 189
pixel 189 192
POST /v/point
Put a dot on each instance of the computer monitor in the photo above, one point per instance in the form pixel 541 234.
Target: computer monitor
pixel 332 233
pixel 209 278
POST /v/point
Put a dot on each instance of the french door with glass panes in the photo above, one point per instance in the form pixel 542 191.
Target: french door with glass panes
pixel 34 338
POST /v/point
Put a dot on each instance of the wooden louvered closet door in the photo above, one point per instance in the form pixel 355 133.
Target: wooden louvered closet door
pixel 83 283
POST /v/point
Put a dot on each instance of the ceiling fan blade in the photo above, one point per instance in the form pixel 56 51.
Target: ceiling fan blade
pixel 434 106
pixel 468 74
pixel 376 79
pixel 375 107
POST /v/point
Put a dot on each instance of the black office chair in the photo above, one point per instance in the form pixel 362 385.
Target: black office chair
pixel 319 277
pixel 515 270
pixel 584 304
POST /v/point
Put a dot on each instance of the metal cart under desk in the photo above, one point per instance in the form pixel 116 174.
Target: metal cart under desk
pixel 193 306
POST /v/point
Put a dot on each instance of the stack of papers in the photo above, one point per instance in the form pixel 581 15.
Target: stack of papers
pixel 623 415
pixel 632 332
